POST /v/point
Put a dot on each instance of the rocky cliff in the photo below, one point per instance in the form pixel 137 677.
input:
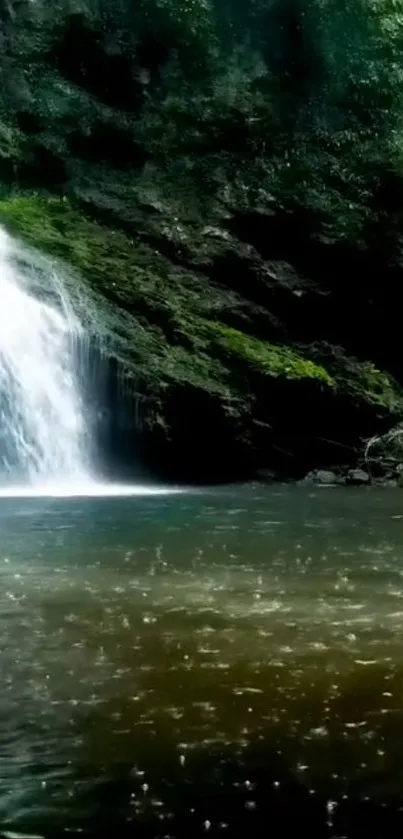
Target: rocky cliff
pixel 226 179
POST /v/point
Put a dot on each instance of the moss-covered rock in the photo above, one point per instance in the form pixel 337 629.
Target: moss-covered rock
pixel 267 358
pixel 216 399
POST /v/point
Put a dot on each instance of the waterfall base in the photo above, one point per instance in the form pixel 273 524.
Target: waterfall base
pixel 85 490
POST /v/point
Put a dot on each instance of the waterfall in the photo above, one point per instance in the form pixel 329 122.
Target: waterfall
pixel 46 379
pixel 43 431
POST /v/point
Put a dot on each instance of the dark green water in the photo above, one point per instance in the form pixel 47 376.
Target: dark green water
pixel 206 664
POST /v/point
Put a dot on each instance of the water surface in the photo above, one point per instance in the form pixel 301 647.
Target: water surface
pixel 216 662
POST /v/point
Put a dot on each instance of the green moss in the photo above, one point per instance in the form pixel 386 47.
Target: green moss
pixel 365 382
pixel 54 227
pixel 131 275
pixel 271 359
pixel 168 336
pixel 361 381
pixel 167 308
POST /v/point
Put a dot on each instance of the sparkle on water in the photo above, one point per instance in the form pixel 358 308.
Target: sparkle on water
pixel 227 662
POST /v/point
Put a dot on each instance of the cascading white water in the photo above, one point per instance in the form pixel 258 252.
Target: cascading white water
pixel 45 430
pixel 43 434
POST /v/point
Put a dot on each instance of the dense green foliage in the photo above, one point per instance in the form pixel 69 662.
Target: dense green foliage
pixel 312 89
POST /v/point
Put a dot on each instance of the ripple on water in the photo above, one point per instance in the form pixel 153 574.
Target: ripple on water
pixel 206 667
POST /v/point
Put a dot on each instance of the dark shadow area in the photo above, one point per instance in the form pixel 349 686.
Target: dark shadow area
pixel 108 143
pixel 198 443
pixel 82 56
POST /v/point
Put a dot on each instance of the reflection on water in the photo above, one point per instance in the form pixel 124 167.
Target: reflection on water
pixel 194 665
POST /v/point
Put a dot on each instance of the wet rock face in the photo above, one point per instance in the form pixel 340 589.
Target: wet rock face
pixel 343 476
pixel 228 242
pixel 357 477
pixel 323 477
